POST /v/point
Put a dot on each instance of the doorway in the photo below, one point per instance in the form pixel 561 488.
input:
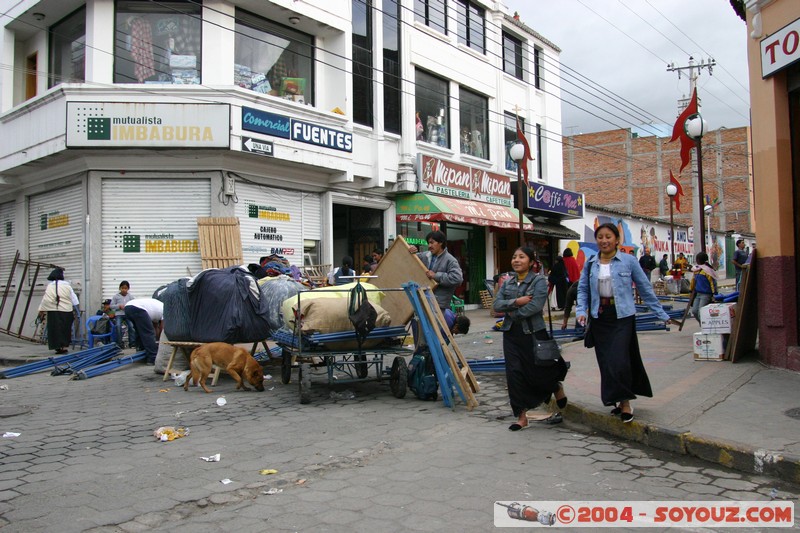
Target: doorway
pixel 357 231
pixel 31 68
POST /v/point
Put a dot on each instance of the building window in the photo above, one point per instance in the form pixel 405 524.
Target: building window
pixel 432 116
pixel 539 173
pixel 474 117
pixel 68 49
pixel 362 62
pixel 512 55
pixel 392 108
pixel 470 25
pixel 157 42
pixel 510 138
pixel 537 65
pixel 273 59
pixel 432 13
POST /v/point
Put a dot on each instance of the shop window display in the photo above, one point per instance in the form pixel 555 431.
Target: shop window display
pixel 157 42
pixel 474 117
pixel 273 59
pixel 432 114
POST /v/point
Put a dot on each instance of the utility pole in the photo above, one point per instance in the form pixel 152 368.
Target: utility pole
pixel 694 70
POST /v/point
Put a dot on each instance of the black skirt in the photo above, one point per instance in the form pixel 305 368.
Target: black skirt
pixel 528 385
pixel 59 329
pixel 622 373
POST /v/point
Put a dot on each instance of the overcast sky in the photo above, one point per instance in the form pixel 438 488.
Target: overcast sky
pixel 630 60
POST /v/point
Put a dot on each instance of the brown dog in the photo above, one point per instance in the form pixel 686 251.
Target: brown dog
pixel 236 361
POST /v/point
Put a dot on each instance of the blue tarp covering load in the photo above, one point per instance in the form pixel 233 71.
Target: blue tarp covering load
pixel 226 306
pixel 176 311
pixel 275 292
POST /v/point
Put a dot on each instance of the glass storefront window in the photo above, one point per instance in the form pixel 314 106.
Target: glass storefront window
pixel 433 113
pixel 67 49
pixel 474 116
pixel 510 137
pixel 157 42
pixel 273 59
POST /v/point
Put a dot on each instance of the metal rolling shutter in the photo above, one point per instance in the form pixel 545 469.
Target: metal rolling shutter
pixel 56 221
pixel 149 231
pixel 8 242
pixel 312 216
pixel 275 221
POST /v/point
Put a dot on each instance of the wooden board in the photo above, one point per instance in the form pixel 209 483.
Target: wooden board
pixel 466 370
pixel 745 323
pixel 220 242
pixel 399 266
pixel 462 375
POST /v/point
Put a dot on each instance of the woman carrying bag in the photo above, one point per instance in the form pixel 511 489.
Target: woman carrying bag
pixel 522 299
pixel 607 286
pixel 58 302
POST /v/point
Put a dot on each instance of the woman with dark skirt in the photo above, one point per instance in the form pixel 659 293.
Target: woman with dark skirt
pixel 606 291
pixel 558 282
pixel 57 302
pixel 522 299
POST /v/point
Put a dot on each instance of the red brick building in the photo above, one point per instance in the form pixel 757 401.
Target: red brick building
pixel 618 170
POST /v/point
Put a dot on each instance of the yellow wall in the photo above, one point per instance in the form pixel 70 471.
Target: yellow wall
pixel 772 161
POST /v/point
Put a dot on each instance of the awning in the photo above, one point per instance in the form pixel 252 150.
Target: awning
pixel 422 207
pixel 555 230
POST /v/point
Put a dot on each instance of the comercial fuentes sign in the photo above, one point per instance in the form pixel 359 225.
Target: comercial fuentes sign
pixel 296 130
pixel 115 125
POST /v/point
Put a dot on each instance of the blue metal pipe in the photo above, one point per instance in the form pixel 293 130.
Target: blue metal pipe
pixel 109 366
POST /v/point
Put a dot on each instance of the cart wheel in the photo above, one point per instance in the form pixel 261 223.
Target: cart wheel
pixel 398 379
pixel 361 369
pixel 305 383
pixel 286 367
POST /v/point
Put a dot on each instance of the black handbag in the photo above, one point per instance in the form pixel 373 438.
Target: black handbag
pixel 545 352
pixel 361 313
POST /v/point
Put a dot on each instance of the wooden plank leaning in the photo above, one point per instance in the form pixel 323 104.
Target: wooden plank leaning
pixel 466 370
pixel 686 311
pixel 438 326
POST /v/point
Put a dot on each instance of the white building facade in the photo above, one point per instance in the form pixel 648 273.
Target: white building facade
pixel 123 121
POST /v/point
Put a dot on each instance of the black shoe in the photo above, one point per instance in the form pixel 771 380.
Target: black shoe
pixel 616 411
pixel 554 419
pixel 562 403
pixel 626 417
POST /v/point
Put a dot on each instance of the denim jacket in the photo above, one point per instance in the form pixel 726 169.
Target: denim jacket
pixel 534 285
pixel 625 271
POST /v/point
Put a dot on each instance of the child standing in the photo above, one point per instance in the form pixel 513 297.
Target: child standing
pixel 118 306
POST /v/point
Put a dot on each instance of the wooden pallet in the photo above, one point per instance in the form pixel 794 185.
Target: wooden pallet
pixel 486 299
pixel 220 242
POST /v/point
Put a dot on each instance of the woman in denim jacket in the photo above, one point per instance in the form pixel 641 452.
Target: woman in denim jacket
pixel 609 277
pixel 522 298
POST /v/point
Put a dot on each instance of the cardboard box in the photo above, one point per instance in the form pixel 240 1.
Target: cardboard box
pixel 717 318
pixel 709 346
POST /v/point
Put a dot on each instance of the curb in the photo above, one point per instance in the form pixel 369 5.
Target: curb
pixel 726 453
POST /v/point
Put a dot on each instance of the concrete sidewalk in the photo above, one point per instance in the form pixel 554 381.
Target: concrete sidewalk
pixel 743 415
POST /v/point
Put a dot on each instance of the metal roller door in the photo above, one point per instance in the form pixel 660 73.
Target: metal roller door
pixel 149 231
pixel 276 221
pixel 8 240
pixel 56 221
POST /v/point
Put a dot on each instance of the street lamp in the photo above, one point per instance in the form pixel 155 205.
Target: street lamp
pixel 695 127
pixel 709 209
pixel 517 153
pixel 672 190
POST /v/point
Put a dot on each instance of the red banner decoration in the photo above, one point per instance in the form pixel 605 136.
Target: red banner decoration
pixel 677 184
pixel 525 158
pixel 679 132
